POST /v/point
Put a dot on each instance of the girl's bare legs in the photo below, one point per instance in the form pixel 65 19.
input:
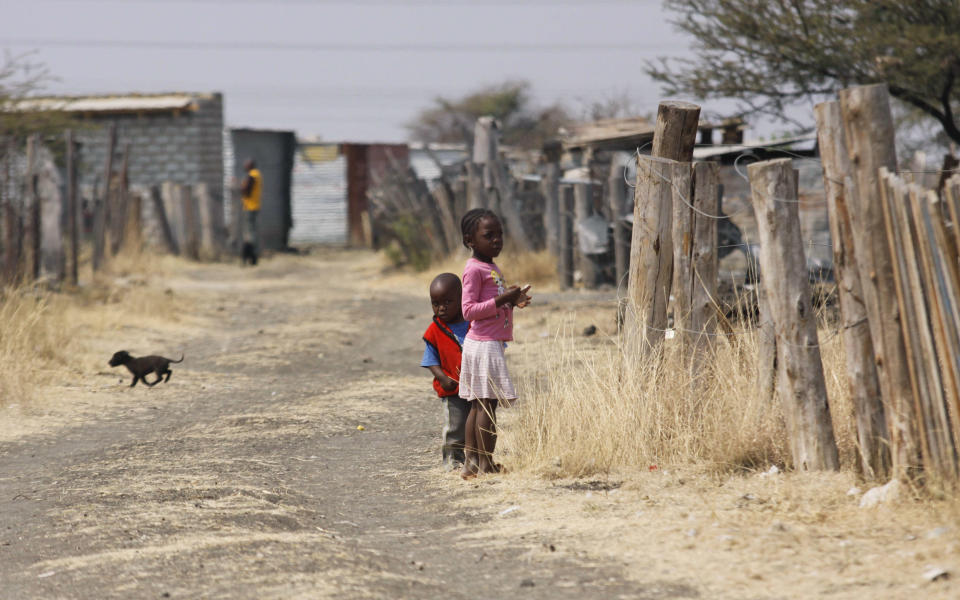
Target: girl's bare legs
pixel 486 433
pixel 471 460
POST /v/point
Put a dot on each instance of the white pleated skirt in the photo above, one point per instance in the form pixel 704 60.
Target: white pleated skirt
pixel 483 371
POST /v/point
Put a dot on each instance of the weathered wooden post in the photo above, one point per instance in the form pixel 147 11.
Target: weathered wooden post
pixel 12 230
pixel 565 240
pixel 160 211
pixel 188 212
pixel 682 235
pixel 550 188
pixel 802 389
pixel 862 381
pixel 206 213
pixel 651 255
pixel 49 211
pixel 704 260
pixel 31 202
pixel 583 210
pixel 119 210
pixel 101 215
pixel 651 248
pixel 868 129
pixel 73 224
pixel 616 198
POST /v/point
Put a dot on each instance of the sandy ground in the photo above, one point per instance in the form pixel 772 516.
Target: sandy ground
pixel 247 475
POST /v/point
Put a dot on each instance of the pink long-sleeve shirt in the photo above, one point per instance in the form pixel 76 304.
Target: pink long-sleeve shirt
pixel 482 283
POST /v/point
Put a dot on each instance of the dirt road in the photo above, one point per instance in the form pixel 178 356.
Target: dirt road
pixel 246 476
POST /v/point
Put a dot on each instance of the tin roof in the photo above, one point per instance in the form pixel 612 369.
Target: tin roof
pixel 129 103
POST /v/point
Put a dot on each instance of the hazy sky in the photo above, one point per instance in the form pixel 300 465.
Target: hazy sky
pixel 344 70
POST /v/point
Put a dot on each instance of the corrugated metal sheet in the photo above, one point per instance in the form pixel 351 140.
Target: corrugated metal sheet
pixel 131 103
pixel 319 196
pixel 426 168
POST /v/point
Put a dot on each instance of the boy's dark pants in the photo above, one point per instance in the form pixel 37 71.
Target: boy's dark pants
pixel 455 411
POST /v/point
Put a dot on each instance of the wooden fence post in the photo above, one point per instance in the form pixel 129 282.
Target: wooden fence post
pixel 188 212
pixel 617 195
pixel 13 232
pixel 651 255
pixel 868 128
pixel 31 203
pixel 101 216
pixel 862 381
pixel 118 213
pixel 802 388
pixel 550 188
pixel 704 260
pixel 565 238
pixel 160 211
pixel 682 235
pixel 49 248
pixel 73 224
pixel 651 248
pixel 583 210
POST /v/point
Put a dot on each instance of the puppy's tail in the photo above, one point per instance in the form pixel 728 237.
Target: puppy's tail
pixel 178 361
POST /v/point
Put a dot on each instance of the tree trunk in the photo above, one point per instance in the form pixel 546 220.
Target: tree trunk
pixel 802 389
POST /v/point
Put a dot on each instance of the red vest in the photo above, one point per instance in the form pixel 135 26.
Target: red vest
pixel 449 350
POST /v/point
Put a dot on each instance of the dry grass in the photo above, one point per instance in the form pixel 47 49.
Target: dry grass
pixel 44 333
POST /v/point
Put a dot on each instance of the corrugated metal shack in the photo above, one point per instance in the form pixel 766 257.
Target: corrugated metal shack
pixel 273 151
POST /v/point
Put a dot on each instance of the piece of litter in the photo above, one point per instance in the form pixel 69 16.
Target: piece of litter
pixel 936 574
pixel 773 470
pixel 509 510
pixel 45 575
pixel 273 393
pixel 854 491
pixel 935 533
pixel 668 334
pixel 361 428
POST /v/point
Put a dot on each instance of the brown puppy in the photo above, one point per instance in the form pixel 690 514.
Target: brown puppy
pixel 141 367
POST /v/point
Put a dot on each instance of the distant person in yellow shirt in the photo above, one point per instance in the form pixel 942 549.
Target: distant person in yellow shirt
pixel 250 191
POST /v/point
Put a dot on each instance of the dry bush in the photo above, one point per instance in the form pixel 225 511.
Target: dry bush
pixel 538 269
pixel 581 413
pixel 34 335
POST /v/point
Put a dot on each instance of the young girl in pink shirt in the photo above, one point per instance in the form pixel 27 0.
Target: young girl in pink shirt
pixel 488 303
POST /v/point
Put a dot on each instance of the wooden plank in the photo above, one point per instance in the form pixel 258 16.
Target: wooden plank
pixel 802 388
pixel 862 381
pixel 868 128
pixel 12 232
pixel 651 255
pixel 922 356
pixel 948 322
pixel 49 212
pixel 616 198
pixel 73 224
pixel 191 229
pixel 932 307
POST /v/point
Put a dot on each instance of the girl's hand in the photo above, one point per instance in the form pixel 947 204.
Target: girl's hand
pixel 524 299
pixel 511 296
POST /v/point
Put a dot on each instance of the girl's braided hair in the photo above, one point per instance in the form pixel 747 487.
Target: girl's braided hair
pixel 471 220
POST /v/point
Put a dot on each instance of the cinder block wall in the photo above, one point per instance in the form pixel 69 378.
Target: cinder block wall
pixel 185 147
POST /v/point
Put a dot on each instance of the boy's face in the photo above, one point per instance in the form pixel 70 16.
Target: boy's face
pixel 445 299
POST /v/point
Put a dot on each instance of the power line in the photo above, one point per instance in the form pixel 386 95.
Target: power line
pixel 462 47
pixel 398 3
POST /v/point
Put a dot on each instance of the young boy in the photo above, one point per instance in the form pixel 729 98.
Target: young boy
pixel 444 345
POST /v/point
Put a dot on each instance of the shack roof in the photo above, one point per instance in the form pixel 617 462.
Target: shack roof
pixel 112 104
pixel 610 133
